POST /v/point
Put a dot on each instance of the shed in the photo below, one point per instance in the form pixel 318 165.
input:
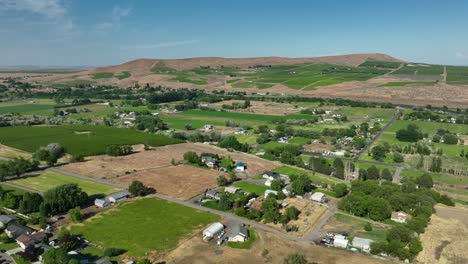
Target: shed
pixel 231 189
pixel 240 166
pixel 340 241
pixel 239 233
pixel 318 197
pixel 118 197
pixel 212 230
pixel 213 194
pixel 101 203
pixel 362 243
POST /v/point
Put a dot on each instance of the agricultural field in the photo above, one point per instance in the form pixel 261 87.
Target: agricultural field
pixel 102 75
pixel 457 75
pixel 28 108
pixel 420 69
pixel 143 226
pixel 123 75
pixel 85 140
pixel 380 64
pixel 314 177
pixel 393 84
pixel 49 180
pixel 8 152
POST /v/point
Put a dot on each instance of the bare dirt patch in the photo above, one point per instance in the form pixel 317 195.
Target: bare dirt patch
pixel 263 108
pixel 180 182
pixel 309 217
pixel 196 251
pixel 445 238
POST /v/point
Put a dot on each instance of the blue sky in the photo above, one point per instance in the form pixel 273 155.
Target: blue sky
pixel 104 32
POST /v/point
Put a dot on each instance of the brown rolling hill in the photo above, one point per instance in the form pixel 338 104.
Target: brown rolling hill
pixel 141 66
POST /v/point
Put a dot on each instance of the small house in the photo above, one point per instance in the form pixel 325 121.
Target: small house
pixel 318 197
pixel 271 175
pixel 268 192
pixel 102 203
pixel 400 217
pixel 210 161
pixel 213 194
pixel 340 241
pixel 213 230
pixel 239 233
pixel 240 166
pixel 26 240
pixel 232 190
pixel 118 197
pixel 6 219
pixel 362 243
pixel 15 230
pixel 287 190
pixel 207 128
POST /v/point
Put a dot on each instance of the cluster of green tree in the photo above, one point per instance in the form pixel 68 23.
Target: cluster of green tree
pixel 223 181
pixel 149 123
pixel 445 136
pixel 244 105
pixel 463 154
pixel 26 203
pixel 339 132
pixel 63 198
pixel 231 142
pixel 17 167
pixel 322 165
pixel 373 173
pixel 157 96
pixel 369 199
pixel 425 115
pixel 137 188
pixel 198 137
pixel 186 105
pixel 272 214
pixel 50 153
pixel 119 150
pixel 340 189
pixel 411 133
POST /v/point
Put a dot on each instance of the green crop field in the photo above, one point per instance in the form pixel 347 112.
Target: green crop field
pixel 103 75
pixel 314 177
pixel 44 109
pixel 457 75
pixel 242 116
pixel 251 187
pixel 380 64
pixel 393 84
pixel 420 69
pixel 49 180
pixel 144 225
pixel 429 127
pixel 123 75
pixel 84 140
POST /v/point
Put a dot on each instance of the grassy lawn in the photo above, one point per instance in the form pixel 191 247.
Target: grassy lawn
pixel 49 180
pixel 299 141
pixel 249 139
pixel 144 225
pixel 247 244
pixel 355 227
pixel 8 246
pixel 251 187
pixel 84 140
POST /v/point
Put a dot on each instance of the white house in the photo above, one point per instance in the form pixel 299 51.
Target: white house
pixel 400 217
pixel 340 241
pixel 318 197
pixel 362 243
pixel 212 230
pixel 239 233
pixel 268 192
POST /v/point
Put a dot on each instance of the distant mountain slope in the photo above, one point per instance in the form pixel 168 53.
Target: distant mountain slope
pixel 140 66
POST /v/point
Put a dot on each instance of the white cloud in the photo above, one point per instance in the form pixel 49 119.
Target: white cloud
pixel 117 14
pixel 161 45
pixel 53 10
pixel 460 55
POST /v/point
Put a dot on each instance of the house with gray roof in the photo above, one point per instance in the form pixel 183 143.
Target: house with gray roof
pixel 118 197
pixel 239 233
pixel 6 219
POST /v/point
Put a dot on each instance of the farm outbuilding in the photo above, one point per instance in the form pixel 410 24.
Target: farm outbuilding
pixel 340 241
pixel 118 197
pixel 362 243
pixel 239 233
pixel 212 230
pixel 101 203
pixel 318 197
